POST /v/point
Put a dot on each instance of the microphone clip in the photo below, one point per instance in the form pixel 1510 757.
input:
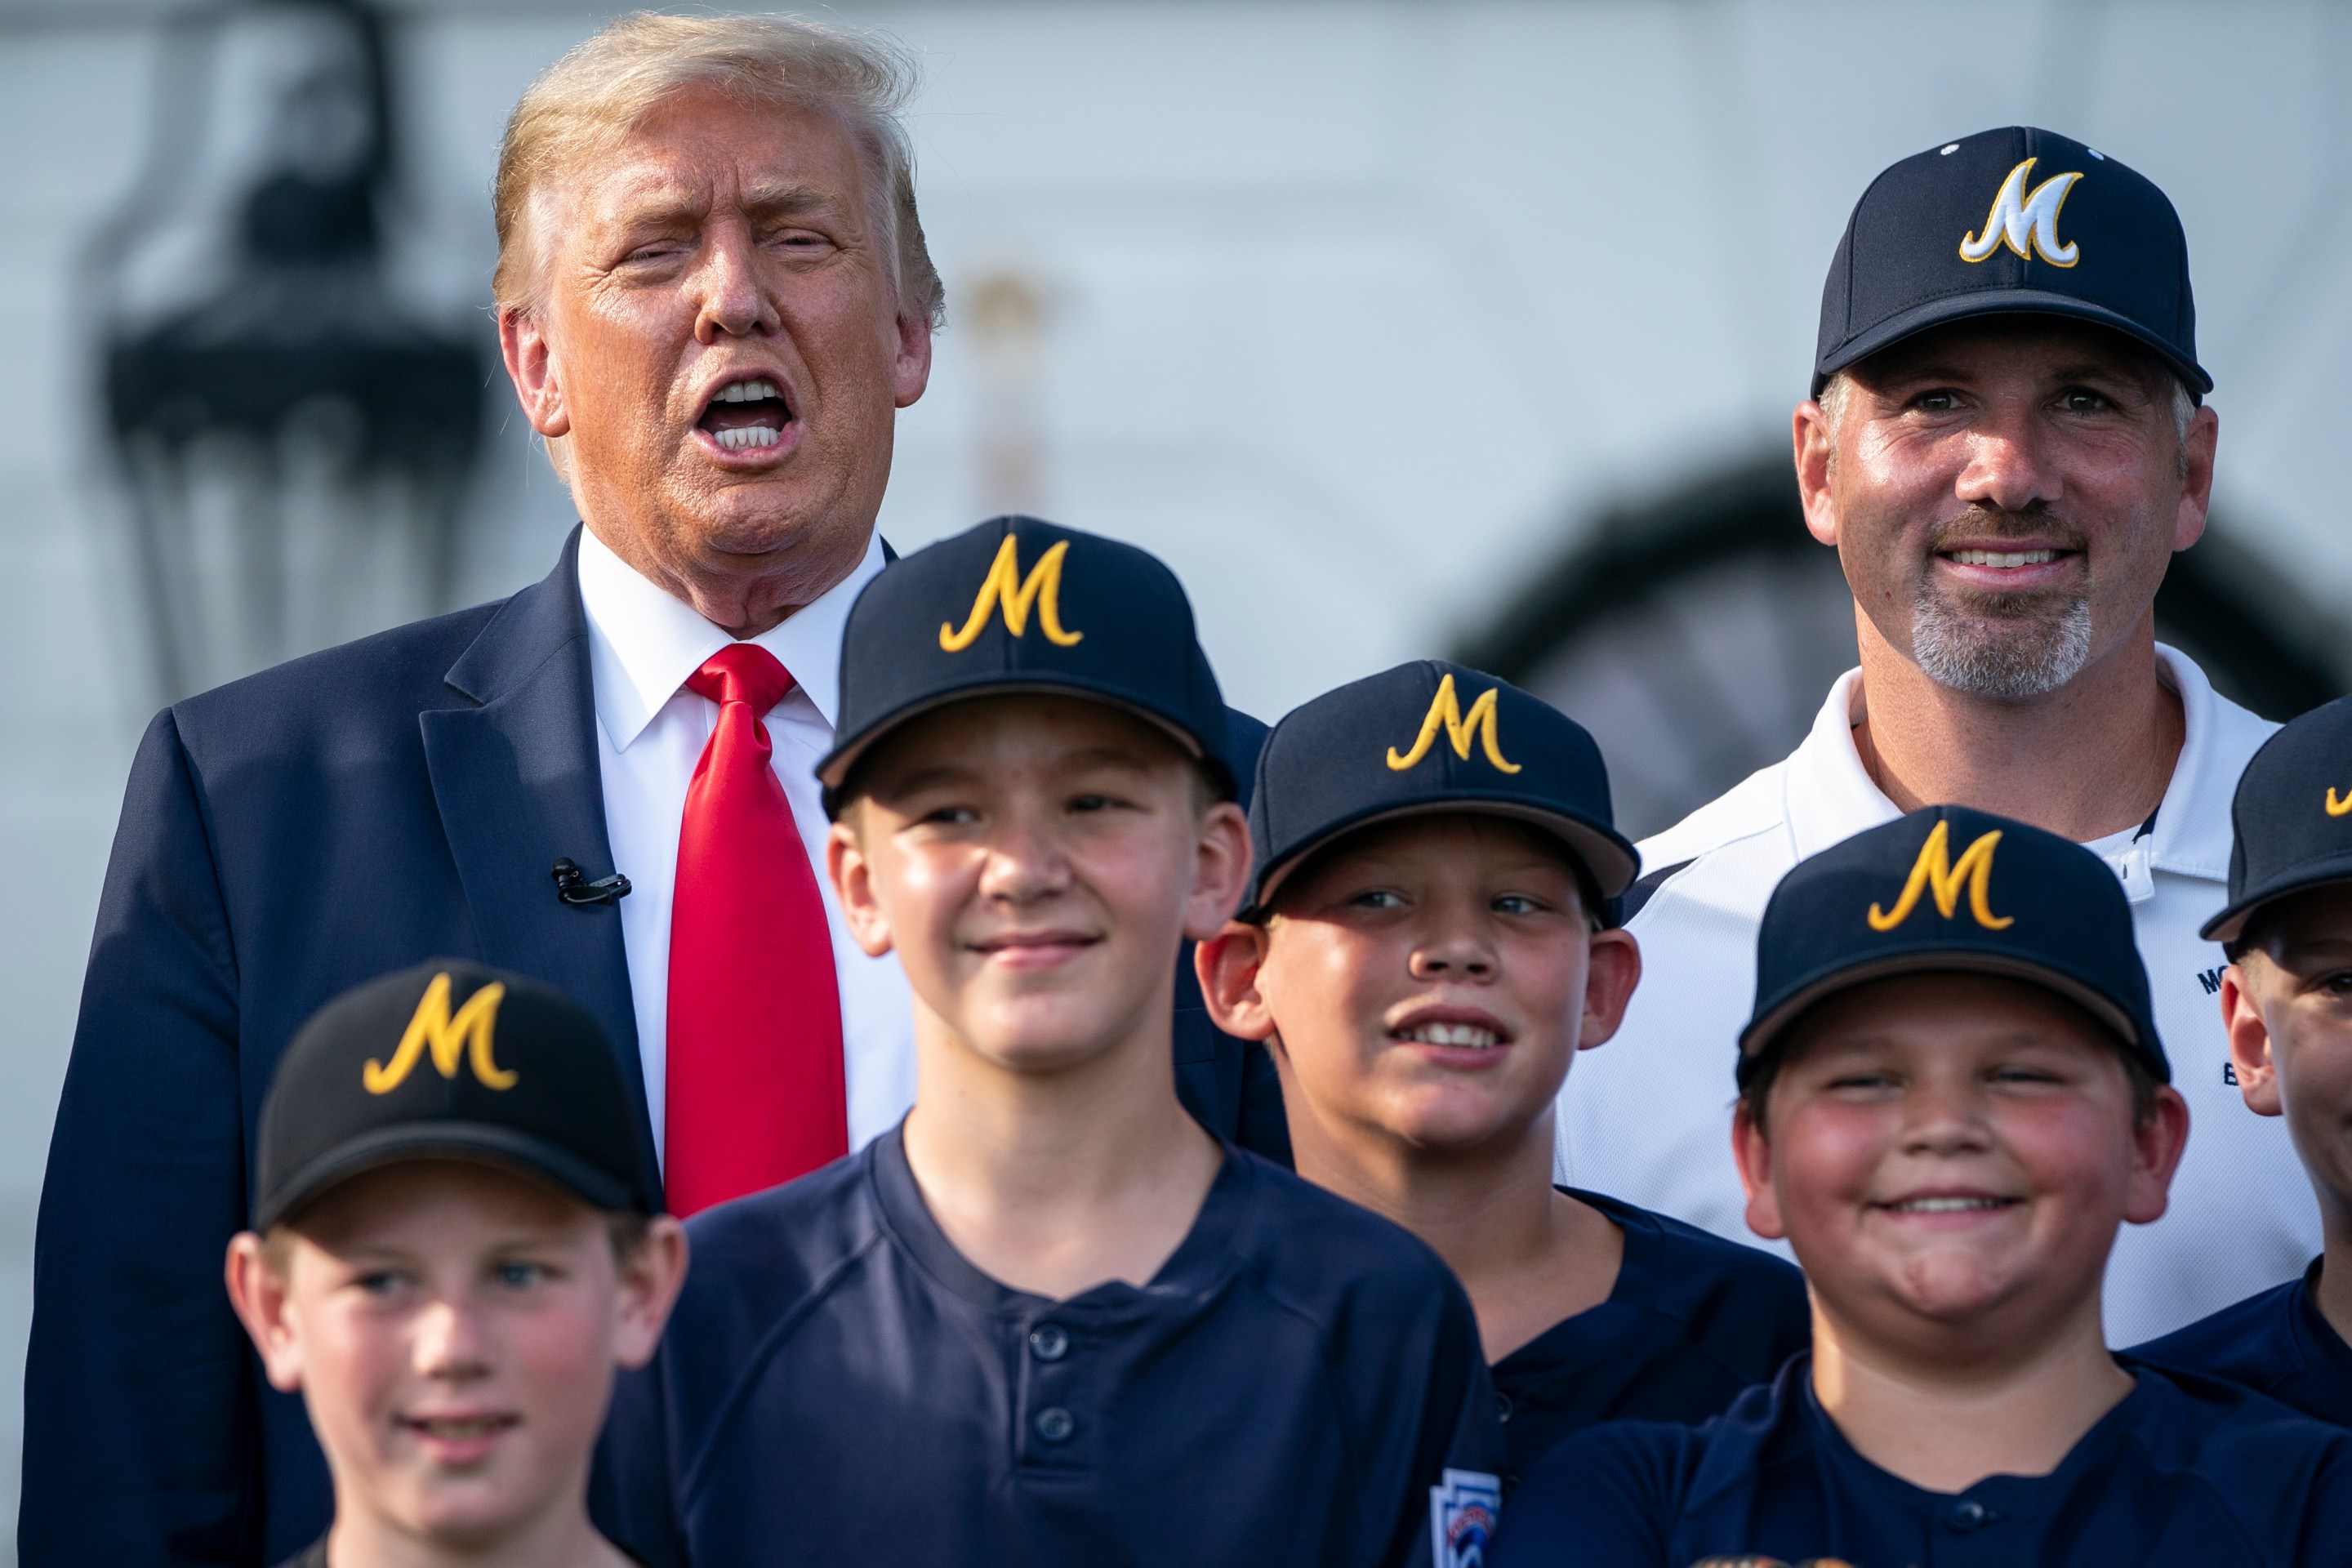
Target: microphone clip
pixel 573 886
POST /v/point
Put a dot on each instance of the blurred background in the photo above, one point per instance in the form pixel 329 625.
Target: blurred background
pixel 1397 329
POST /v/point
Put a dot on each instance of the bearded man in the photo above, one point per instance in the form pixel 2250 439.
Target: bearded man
pixel 714 296
pixel 2006 444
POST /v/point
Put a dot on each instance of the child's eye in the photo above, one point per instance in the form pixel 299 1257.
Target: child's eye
pixel 1091 803
pixel 1518 904
pixel 522 1275
pixel 2337 983
pixel 381 1281
pixel 1378 899
pixel 950 816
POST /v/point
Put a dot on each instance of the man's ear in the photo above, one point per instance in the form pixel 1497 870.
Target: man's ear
pixel 2195 477
pixel 651 1277
pixel 2249 1034
pixel 259 1296
pixel 1612 969
pixel 2157 1145
pixel 1753 1154
pixel 531 366
pixel 853 885
pixel 1228 965
pixel 1810 432
pixel 910 367
pixel 1221 870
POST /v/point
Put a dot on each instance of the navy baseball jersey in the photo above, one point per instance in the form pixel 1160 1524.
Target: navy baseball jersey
pixel 1692 1320
pixel 1301 1383
pixel 2184 1473
pixel 2274 1343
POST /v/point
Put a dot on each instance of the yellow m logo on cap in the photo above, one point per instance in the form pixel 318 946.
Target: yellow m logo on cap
pixel 1936 872
pixel 1002 587
pixel 465 1036
pixel 2020 221
pixel 1446 713
pixel 2337 807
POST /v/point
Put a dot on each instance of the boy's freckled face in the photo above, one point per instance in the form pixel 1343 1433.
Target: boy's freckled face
pixel 1426 977
pixel 2302 984
pixel 1944 1146
pixel 457 1334
pixel 1035 862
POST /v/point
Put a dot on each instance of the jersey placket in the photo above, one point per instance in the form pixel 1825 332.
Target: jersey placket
pixel 1058 1405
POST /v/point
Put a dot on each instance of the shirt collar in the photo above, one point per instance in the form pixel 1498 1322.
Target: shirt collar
pixel 642 643
pixel 1832 796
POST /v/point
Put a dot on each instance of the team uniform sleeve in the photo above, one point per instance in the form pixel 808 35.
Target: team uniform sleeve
pixel 1605 1498
pixel 1453 1490
pixel 141 1404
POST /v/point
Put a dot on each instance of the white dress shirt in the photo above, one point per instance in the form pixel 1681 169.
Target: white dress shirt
pixel 650 731
pixel 1647 1116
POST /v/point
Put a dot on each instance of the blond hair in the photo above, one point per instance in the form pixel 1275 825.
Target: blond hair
pixel 611 82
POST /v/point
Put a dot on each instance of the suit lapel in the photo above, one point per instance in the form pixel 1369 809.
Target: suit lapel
pixel 517 785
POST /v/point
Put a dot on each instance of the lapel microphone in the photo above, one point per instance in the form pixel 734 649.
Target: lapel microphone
pixel 574 887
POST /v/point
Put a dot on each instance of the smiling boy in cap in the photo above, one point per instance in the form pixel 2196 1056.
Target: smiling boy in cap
pixel 2286 1000
pixel 1428 943
pixel 1952 1095
pixel 454 1248
pixel 1049 1319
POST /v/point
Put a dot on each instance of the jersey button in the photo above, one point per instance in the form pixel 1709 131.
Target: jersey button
pixel 1502 1406
pixel 1049 1342
pixel 1968 1514
pixel 1056 1424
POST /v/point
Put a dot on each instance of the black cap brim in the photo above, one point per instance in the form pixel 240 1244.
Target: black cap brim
pixel 524 1153
pixel 2231 922
pixel 834 766
pixel 2004 302
pixel 1764 1032
pixel 1607 856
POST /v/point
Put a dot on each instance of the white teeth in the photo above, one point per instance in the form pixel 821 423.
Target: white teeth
pixel 747 392
pixel 1946 1206
pixel 2004 557
pixel 1469 1035
pixel 749 435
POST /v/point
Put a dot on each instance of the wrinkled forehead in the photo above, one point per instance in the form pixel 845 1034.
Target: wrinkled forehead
pixel 2046 347
pixel 701 150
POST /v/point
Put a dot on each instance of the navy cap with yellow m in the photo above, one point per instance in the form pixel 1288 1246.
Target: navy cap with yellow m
pixel 1424 738
pixel 449 1061
pixel 1947 888
pixel 1018 605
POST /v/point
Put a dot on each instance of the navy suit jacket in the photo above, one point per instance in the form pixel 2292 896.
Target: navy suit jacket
pixel 284 838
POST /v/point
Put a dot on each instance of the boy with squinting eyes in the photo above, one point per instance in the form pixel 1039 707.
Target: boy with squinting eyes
pixel 1428 944
pixel 1952 1095
pixel 1049 1319
pixel 2286 999
pixel 455 1247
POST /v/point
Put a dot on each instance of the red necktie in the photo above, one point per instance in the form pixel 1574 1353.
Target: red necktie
pixel 754 1085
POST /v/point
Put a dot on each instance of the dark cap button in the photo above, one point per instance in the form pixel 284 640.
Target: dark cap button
pixel 1502 1406
pixel 1056 1424
pixel 1049 1342
pixel 1968 1514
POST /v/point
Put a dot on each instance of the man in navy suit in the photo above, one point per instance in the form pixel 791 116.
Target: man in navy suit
pixel 713 296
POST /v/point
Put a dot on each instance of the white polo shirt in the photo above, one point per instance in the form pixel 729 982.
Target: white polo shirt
pixel 1647 1116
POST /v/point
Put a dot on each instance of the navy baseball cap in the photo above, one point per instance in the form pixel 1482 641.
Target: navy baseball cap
pixel 2014 221
pixel 1017 604
pixel 2291 816
pixel 1430 737
pixel 449 1061
pixel 1949 889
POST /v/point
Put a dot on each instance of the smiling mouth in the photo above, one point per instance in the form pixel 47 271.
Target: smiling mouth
pixel 1461 1036
pixel 2002 558
pixel 1948 1205
pixel 462 1429
pixel 747 416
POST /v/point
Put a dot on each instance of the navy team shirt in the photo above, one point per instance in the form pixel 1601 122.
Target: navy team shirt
pixel 1691 1319
pixel 1300 1383
pixel 2275 1344
pixel 2184 1473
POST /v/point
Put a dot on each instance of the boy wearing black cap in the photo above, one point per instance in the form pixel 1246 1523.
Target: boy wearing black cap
pixel 454 1246
pixel 1952 1095
pixel 1427 946
pixel 1049 1319
pixel 2286 1001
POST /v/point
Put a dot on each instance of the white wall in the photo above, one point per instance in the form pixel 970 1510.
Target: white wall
pixel 1353 311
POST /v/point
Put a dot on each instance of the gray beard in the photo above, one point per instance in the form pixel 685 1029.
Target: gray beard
pixel 2008 650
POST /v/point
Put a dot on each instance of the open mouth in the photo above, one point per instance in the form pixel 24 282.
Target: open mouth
pixel 2002 558
pixel 1461 1036
pixel 1971 1204
pixel 747 416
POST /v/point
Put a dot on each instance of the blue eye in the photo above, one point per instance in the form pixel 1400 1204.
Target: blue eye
pixel 1378 899
pixel 522 1275
pixel 381 1281
pixel 1516 904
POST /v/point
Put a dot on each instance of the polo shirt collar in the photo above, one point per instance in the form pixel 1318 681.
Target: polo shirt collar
pixel 644 643
pixel 1830 796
